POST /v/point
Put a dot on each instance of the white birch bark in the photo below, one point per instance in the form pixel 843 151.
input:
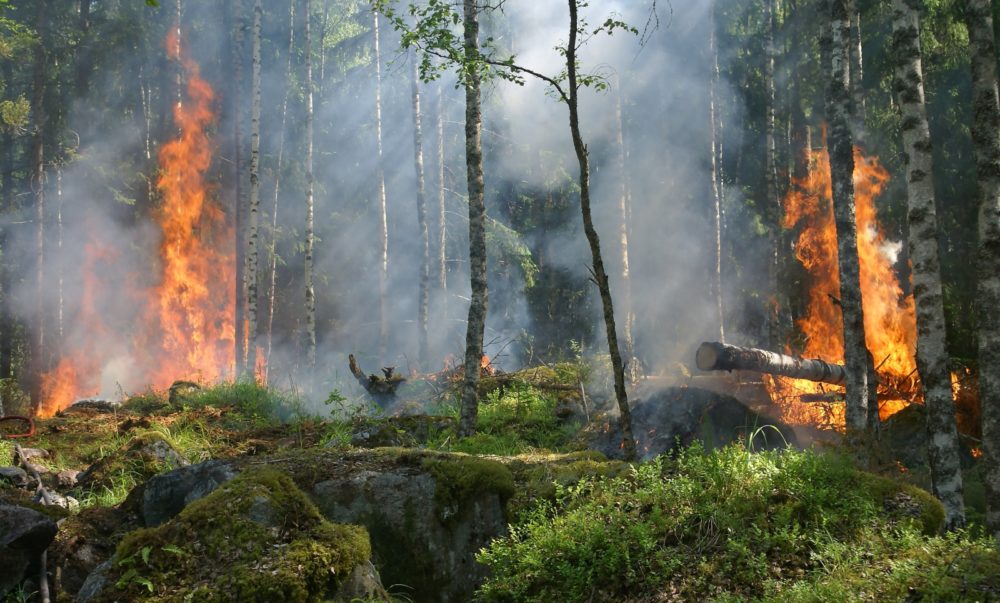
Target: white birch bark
pixel 932 353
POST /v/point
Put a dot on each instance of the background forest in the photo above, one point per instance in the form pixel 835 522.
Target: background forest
pixel 687 112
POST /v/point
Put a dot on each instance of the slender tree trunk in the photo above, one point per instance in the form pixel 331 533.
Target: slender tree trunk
pixel 623 232
pixel 251 269
pixel 479 302
pixel 628 442
pixel 773 203
pixel 425 239
pixel 932 353
pixel 277 190
pixel 83 61
pixel 716 210
pixel 838 113
pixel 986 139
pixel 383 216
pixel 60 297
pixel 857 71
pixel 6 259
pixel 310 182
pixel 38 352
pixel 239 209
pixel 442 248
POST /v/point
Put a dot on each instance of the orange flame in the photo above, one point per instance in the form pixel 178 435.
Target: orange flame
pixel 194 303
pixel 890 318
pixel 187 326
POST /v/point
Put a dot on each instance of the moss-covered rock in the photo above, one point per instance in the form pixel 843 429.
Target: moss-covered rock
pixel 143 457
pixel 460 479
pixel 537 477
pixel 255 538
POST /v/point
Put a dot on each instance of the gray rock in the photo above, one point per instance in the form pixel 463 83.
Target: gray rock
pixel 92 407
pixel 94 583
pixel 14 475
pixel 410 541
pixel 67 478
pixel 24 534
pixel 165 495
pixel 58 500
pixel 34 453
pixel 364 584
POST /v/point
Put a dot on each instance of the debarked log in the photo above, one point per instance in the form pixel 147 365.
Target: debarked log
pixel 715 356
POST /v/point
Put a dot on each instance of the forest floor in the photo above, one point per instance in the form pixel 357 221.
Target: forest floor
pixel 705 521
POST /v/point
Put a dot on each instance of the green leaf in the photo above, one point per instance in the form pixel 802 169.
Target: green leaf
pixel 146 550
pixel 176 550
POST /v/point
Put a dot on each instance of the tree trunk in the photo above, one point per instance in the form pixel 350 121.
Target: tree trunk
pixel 716 356
pixel 425 239
pixel 773 202
pixel 310 183
pixel 38 94
pixel 628 442
pixel 857 71
pixel 932 353
pixel 60 294
pixel 383 218
pixel 6 257
pixel 442 259
pixel 716 211
pixel 479 302
pixel 238 205
pixel 986 139
pixel 623 232
pixel 251 270
pixel 83 62
pixel 277 190
pixel 838 113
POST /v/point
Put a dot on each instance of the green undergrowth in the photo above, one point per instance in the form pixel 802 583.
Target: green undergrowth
pixel 253 402
pixel 256 538
pixel 515 419
pixel 731 525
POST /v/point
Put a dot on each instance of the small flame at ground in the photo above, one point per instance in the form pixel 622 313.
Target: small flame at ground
pixel 187 330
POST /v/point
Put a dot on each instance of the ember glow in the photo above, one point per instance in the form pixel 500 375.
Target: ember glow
pixel 890 318
pixel 186 329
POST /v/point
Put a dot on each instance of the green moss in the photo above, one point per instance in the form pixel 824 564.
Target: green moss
pixel 460 478
pixel 905 501
pixel 541 479
pixel 258 537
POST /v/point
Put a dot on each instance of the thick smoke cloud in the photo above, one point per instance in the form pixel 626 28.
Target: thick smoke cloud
pixel 664 83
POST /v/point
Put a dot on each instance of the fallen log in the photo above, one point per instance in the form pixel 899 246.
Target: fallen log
pixel 715 356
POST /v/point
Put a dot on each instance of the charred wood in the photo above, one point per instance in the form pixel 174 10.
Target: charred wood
pixel 715 356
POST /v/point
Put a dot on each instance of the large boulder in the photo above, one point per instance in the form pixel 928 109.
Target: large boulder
pixel 427 513
pixel 255 538
pixel 24 534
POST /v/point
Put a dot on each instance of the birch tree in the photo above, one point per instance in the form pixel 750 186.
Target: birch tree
pixel 310 288
pixel 839 142
pixel 423 300
pixel 277 186
pixel 383 220
pixel 477 220
pixel 986 140
pixel 716 207
pixel 932 355
pixel 252 226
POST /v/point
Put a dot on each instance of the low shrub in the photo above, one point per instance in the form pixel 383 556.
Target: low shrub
pixel 728 524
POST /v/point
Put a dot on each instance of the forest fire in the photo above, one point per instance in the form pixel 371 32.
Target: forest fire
pixel 890 320
pixel 186 329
